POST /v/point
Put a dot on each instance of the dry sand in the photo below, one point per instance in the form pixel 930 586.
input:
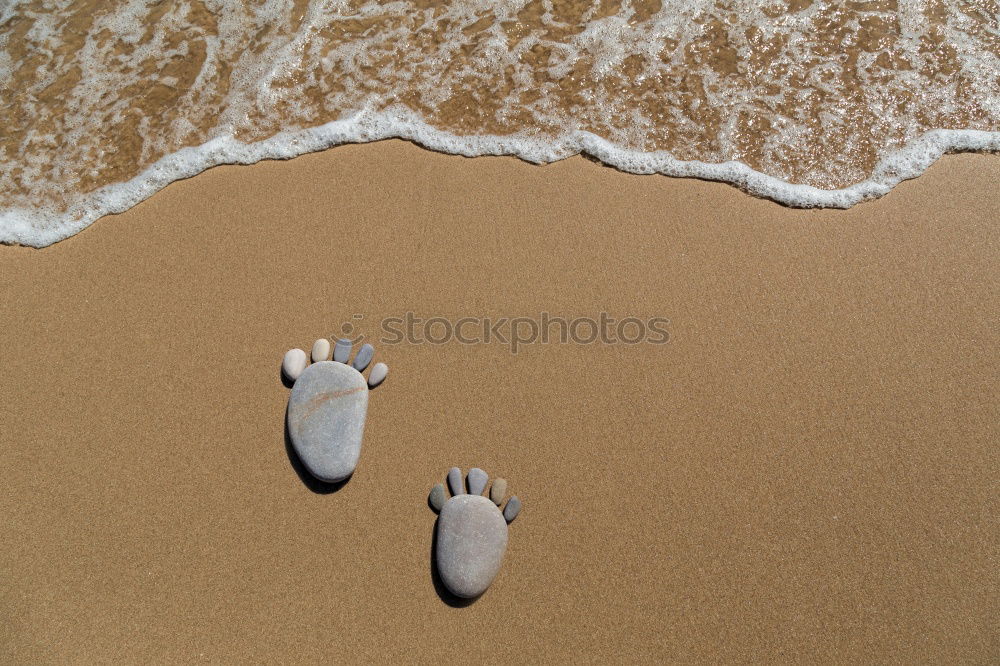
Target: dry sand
pixel 807 471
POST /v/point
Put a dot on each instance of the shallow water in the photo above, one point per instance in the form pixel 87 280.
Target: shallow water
pixel 809 103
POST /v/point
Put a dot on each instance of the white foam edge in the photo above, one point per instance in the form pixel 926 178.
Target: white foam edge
pixel 20 225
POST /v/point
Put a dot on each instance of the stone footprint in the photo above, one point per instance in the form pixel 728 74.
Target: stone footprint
pixel 471 531
pixel 328 405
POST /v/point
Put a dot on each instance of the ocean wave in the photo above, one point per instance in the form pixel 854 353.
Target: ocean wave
pixel 806 103
pixel 39 227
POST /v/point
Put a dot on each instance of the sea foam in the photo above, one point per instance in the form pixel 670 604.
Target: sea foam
pixel 41 227
pixel 812 107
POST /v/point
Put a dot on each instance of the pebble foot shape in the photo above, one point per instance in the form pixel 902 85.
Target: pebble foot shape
pixel 326 410
pixel 471 536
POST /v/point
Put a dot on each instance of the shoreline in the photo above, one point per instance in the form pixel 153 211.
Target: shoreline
pixel 908 162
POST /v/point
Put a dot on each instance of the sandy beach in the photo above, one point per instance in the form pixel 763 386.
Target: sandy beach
pixel 806 472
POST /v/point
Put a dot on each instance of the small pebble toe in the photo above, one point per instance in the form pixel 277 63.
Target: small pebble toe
pixel 477 481
pixel 436 497
pixel 498 491
pixel 321 350
pixel 342 351
pixel 364 357
pixel 378 374
pixel 294 363
pixel 512 509
pixel 455 481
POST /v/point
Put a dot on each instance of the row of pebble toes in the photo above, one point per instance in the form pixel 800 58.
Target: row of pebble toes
pixel 476 480
pixel 296 360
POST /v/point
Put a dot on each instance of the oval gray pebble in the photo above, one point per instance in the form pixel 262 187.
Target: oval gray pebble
pixel 471 540
pixel 436 498
pixel 378 374
pixel 455 481
pixel 512 509
pixel 364 357
pixel 498 491
pixel 294 363
pixel 321 350
pixel 342 350
pixel 326 419
pixel 477 480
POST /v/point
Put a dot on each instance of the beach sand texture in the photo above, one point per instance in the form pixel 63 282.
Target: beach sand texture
pixel 807 471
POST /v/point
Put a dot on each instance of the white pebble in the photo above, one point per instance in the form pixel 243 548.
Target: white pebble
pixel 294 363
pixel 377 375
pixel 321 350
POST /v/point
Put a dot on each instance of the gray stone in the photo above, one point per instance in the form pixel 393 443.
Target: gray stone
pixel 378 374
pixel 364 357
pixel 498 491
pixel 455 481
pixel 326 419
pixel 294 363
pixel 477 481
pixel 437 497
pixel 471 540
pixel 512 509
pixel 321 350
pixel 342 351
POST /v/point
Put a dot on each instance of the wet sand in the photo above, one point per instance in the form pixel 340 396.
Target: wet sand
pixel 806 471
